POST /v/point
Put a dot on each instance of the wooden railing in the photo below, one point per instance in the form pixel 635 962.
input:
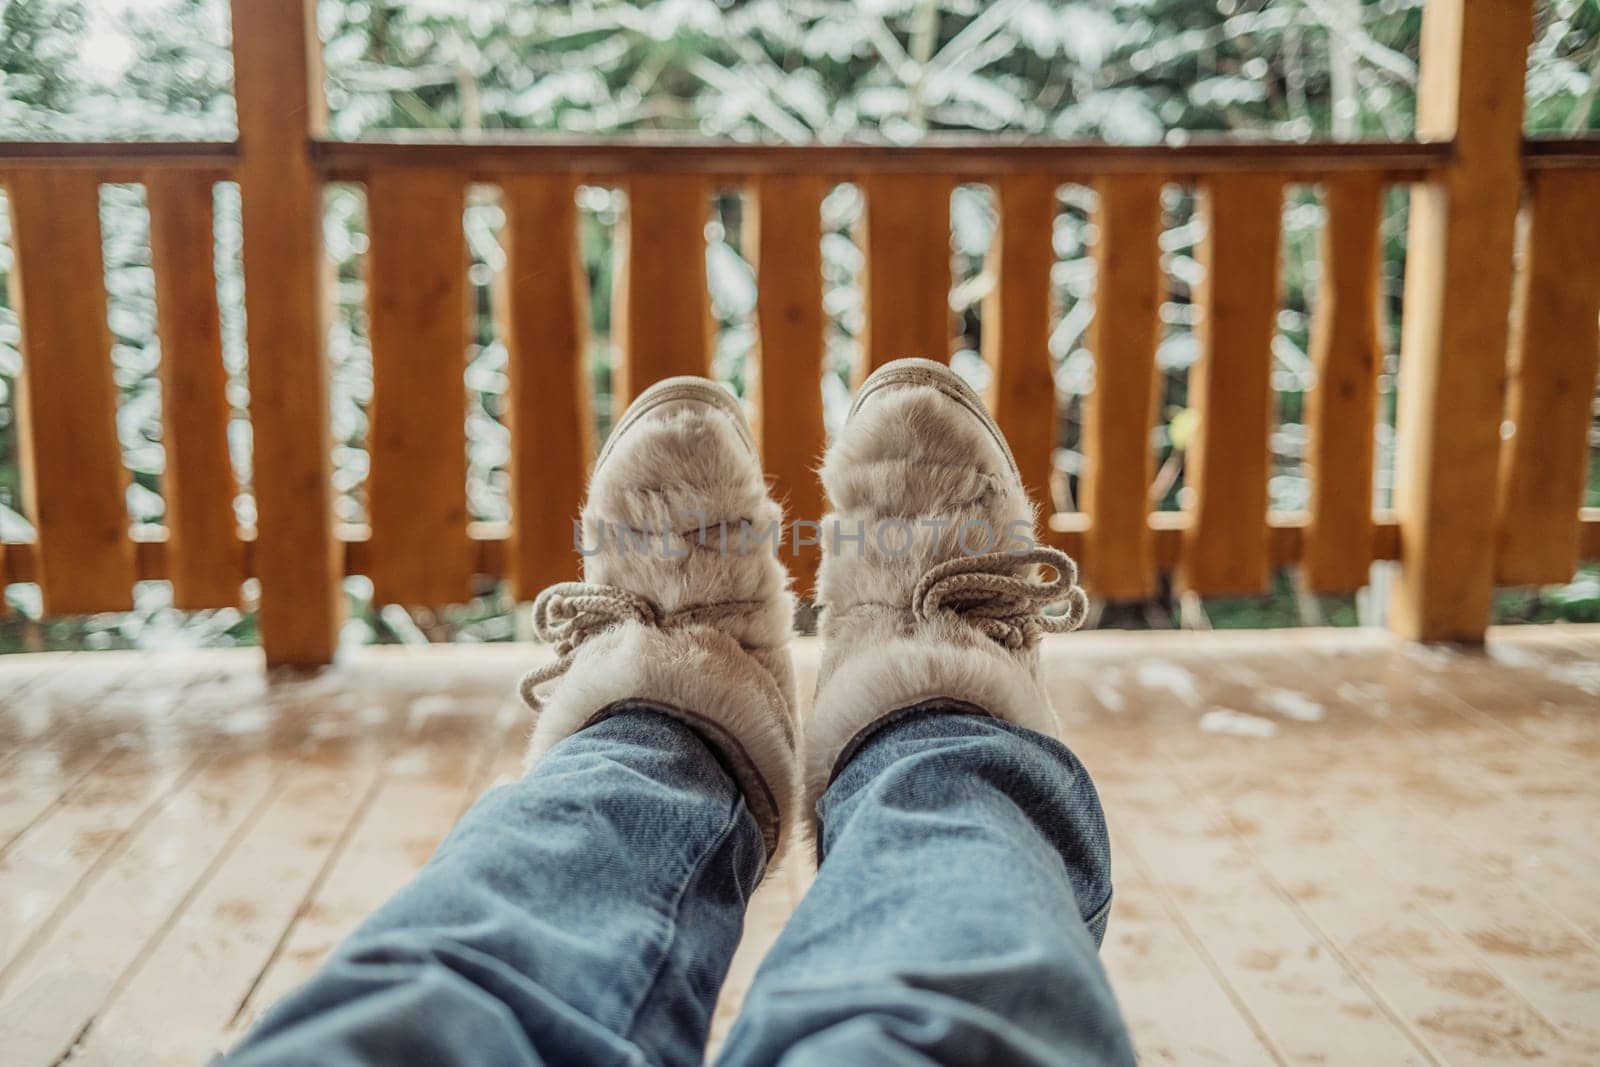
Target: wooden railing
pixel 1471 509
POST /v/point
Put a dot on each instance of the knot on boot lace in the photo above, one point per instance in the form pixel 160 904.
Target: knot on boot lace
pixel 568 614
pixel 987 593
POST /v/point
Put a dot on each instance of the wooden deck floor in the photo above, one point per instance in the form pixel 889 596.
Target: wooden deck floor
pixel 1329 848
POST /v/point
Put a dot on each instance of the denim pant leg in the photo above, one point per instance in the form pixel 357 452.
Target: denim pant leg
pixel 585 914
pixel 957 913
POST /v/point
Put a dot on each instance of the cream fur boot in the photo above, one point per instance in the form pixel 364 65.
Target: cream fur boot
pixel 930 580
pixel 683 604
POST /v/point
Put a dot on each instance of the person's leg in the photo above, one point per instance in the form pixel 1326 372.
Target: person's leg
pixel 963 892
pixel 584 914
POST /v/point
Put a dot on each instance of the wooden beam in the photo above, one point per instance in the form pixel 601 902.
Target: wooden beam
pixel 1230 388
pixel 278 89
pixel 543 304
pixel 785 230
pixel 1457 299
pixel 205 557
pixel 906 237
pixel 1016 328
pixel 1555 353
pixel 1341 408
pixel 73 479
pixel 972 158
pixel 417 306
pixel 661 313
pixel 1121 409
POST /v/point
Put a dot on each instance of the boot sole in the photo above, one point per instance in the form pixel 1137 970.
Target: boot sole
pixel 927 374
pixel 685 388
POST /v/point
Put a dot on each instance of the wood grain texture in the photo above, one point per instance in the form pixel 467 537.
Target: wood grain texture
pixel 1345 885
pixel 1119 413
pixel 278 92
pixel 1554 354
pixel 417 307
pixel 1225 550
pixel 661 313
pixel 980 157
pixel 1457 301
pixel 785 230
pixel 542 303
pixel 906 238
pixel 204 557
pixel 1016 328
pixel 1341 407
pixel 73 479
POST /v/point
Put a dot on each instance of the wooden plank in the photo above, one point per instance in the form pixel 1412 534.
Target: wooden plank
pixel 785 230
pixel 172 1004
pixel 1119 462
pixel 1341 408
pixel 661 314
pixel 205 561
pixel 1308 1003
pixel 417 307
pixel 428 784
pixel 906 238
pixel 49 1000
pixel 1177 1009
pixel 72 475
pixel 979 157
pixel 542 302
pixel 1457 298
pixel 1016 328
pixel 67 848
pixel 278 92
pixel 1230 388
pixel 1555 353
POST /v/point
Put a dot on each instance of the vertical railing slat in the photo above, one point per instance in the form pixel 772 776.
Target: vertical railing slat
pixel 543 306
pixel 1346 351
pixel 417 302
pixel 1016 328
pixel 72 473
pixel 1457 307
pixel 1121 409
pixel 1554 353
pixel 1230 387
pixel 907 283
pixel 785 229
pixel 278 91
pixel 205 560
pixel 661 315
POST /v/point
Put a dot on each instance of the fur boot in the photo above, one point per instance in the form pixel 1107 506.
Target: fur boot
pixel 930 584
pixel 684 604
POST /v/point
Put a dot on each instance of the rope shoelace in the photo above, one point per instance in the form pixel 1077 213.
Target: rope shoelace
pixel 986 592
pixel 983 591
pixel 568 614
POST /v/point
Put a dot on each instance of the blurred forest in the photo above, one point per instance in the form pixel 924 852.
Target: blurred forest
pixel 1130 71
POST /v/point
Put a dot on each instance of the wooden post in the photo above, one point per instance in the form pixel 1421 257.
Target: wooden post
pixel 1230 388
pixel 1016 328
pixel 1550 401
pixel 785 229
pixel 1457 301
pixel 1119 462
pixel 1342 406
pixel 660 310
pixel 906 237
pixel 205 560
pixel 417 309
pixel 278 92
pixel 543 304
pixel 72 473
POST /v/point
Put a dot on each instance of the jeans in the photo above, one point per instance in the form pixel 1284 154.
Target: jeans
pixel 587 914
